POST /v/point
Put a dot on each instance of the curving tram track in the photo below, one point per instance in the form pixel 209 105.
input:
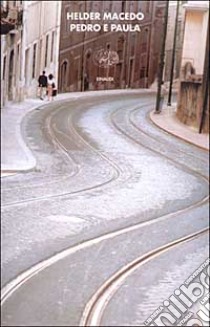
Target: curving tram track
pixel 123 121
pixel 96 307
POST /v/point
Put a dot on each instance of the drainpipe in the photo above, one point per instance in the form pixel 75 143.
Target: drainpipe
pixel 205 84
pixel 83 57
pixel 162 56
pixel 57 40
pixel 22 61
pixel 173 55
pixel 128 52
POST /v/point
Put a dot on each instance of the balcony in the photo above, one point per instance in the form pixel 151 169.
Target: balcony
pixel 11 19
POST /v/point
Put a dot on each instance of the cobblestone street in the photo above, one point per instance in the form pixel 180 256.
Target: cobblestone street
pixel 105 187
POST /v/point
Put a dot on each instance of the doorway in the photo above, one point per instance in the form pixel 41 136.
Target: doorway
pixel 63 79
pixel 130 74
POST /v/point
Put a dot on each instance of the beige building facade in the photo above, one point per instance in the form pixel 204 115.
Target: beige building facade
pixel 195 34
pixel 193 104
pixel 29 48
pixel 170 39
pixel 11 27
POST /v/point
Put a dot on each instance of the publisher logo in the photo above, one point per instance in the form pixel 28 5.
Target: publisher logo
pixel 177 310
pixel 105 58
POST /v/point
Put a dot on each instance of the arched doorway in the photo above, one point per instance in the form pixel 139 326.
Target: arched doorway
pixel 63 76
pixel 87 69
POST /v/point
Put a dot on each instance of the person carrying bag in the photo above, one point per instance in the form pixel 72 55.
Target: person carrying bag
pixel 54 92
pixel 51 88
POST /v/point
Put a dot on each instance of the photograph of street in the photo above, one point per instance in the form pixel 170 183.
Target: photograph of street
pixel 105 163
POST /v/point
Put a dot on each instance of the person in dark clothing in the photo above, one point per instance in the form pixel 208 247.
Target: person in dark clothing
pixel 42 85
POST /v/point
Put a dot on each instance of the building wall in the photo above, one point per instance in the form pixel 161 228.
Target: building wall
pixel 35 48
pixel 170 39
pixel 195 39
pixel 190 103
pixel 41 42
pixel 194 83
pixel 138 52
pixel 10 59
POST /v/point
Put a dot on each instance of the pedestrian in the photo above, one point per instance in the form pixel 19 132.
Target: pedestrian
pixel 50 87
pixel 42 85
pixel 54 92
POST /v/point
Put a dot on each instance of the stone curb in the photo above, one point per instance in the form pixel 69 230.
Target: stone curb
pixel 175 134
pixel 8 170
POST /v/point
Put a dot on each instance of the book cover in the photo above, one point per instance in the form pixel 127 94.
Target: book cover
pixel 104 163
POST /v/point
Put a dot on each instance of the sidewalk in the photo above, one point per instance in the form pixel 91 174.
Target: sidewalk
pixel 168 121
pixel 16 157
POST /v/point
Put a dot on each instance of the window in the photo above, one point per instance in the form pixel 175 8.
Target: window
pixel 4 5
pixel 46 50
pixel 4 67
pixel 142 72
pixel 34 61
pixel 120 47
pixel 67 22
pixel 145 39
pixel 52 46
pixel 18 58
pixel 123 5
pixel 64 75
pixel 106 5
pixel 148 7
pixel 133 42
pixel 27 66
pixel 110 5
pixel 41 55
pixel 118 74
